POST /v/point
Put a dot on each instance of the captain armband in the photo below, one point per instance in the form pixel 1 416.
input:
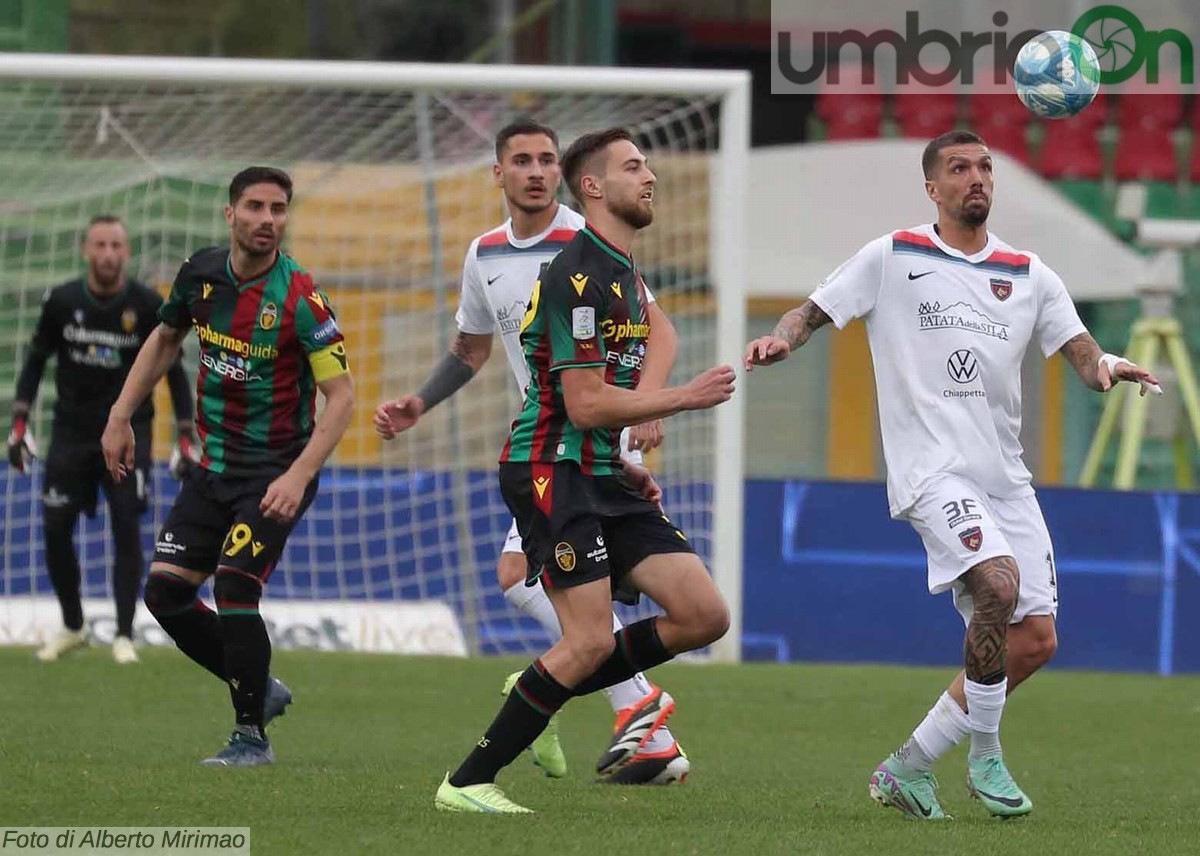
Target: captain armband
pixel 329 362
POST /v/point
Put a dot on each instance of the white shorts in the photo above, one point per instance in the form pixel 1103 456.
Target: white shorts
pixel 512 542
pixel 962 526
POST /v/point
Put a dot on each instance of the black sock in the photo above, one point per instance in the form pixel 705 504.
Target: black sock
pixel 127 568
pixel 63 564
pixel 247 664
pixel 637 649
pixel 533 700
pixel 194 627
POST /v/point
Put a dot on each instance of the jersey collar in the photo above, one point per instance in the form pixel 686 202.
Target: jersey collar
pixel 623 258
pixel 526 243
pixel 982 255
pixel 240 283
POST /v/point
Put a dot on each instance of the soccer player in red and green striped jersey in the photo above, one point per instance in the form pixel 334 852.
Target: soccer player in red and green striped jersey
pixel 268 341
pixel 591 523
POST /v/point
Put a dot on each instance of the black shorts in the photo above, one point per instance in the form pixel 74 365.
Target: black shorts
pixel 75 472
pixel 216 521
pixel 576 529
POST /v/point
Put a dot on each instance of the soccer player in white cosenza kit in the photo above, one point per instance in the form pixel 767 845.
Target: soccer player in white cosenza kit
pixel 500 269
pixel 950 310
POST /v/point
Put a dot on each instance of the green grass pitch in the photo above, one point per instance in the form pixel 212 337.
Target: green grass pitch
pixel 781 757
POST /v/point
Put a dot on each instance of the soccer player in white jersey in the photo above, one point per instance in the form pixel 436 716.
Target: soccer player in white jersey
pixel 498 275
pixel 950 310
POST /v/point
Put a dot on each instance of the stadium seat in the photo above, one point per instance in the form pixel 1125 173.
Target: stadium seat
pixel 850 116
pixel 1008 138
pixel 989 110
pixel 1071 149
pixel 850 109
pixel 1001 120
pixel 1145 154
pixel 1160 110
pixel 925 115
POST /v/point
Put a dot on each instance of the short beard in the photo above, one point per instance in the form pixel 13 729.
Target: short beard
pixel 632 214
pixel 255 253
pixel 974 219
pixel 101 281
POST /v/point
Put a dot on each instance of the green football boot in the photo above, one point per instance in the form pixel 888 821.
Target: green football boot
pixel 989 781
pixel 483 799
pixel 912 794
pixel 547 751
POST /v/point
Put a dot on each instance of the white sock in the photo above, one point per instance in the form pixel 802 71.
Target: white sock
pixel 943 728
pixel 533 601
pixel 985 703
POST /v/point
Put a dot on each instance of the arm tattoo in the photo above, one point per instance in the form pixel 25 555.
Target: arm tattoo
pixel 993 585
pixel 796 326
pixel 1083 354
pixel 461 348
pixel 448 376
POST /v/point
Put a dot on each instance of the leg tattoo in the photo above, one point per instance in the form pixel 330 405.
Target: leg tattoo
pixel 993 586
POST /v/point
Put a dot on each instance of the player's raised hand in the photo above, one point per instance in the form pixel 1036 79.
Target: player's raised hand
pixel 766 350
pixel 640 479
pixel 710 388
pixel 117 445
pixel 398 415
pixel 21 448
pixel 647 436
pixel 1113 369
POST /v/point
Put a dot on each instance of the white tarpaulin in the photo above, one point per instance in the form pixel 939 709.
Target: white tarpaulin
pixel 812 206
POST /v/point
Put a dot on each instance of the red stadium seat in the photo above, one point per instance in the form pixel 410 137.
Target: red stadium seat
pixel 848 112
pixel 852 116
pixel 1160 110
pixel 1001 121
pixel 1145 154
pixel 925 115
pixel 1071 149
pixel 1007 138
pixel 990 110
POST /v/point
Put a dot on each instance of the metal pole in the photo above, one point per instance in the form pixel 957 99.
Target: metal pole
pixel 727 236
pixel 460 498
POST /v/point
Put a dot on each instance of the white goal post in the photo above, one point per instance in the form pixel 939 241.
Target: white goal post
pixel 392 167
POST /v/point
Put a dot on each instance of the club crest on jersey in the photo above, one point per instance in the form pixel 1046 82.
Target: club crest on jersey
pixel 564 555
pixel 129 320
pixel 268 316
pixel 1002 288
pixel 206 290
pixel 972 538
pixel 579 280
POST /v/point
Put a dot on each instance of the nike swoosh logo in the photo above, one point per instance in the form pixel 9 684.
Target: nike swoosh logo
pixel 923 809
pixel 492 279
pixel 1011 802
pixel 911 275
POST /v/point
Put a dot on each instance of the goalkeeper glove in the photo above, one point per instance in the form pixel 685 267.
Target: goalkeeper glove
pixel 21 448
pixel 184 456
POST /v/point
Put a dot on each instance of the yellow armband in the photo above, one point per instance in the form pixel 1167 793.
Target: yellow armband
pixel 329 362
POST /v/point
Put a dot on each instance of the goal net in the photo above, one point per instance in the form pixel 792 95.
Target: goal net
pixel 392 166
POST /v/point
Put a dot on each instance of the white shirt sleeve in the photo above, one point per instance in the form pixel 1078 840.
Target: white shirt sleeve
pixel 851 291
pixel 649 295
pixel 474 315
pixel 1057 320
